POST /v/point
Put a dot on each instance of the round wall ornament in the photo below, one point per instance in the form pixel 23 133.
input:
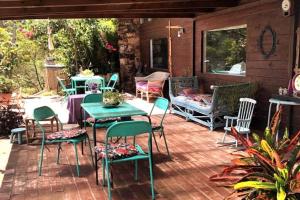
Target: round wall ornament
pixel 267 53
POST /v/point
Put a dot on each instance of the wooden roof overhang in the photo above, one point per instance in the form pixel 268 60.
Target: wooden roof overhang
pixel 39 9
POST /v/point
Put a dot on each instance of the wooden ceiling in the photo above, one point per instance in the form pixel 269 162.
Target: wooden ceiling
pixel 39 9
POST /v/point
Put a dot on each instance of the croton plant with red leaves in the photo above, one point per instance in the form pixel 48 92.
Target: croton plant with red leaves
pixel 268 169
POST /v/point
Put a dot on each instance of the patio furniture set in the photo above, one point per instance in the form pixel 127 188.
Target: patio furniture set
pixel 93 112
pixel 210 110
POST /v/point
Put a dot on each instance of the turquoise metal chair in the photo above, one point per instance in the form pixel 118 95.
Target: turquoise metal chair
pixel 162 104
pixel 67 91
pixel 99 81
pixel 111 83
pixel 128 129
pixel 45 112
pixel 95 98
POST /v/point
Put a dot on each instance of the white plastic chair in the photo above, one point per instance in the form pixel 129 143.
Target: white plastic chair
pixel 242 122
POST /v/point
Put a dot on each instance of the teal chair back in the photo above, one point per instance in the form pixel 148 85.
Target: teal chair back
pixel 162 104
pixel 93 98
pixel 128 128
pixel 42 113
pixel 113 80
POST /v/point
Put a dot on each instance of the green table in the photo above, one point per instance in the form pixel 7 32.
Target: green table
pixel 98 111
pixel 76 79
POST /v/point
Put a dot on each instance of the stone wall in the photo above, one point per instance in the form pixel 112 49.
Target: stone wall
pixel 129 48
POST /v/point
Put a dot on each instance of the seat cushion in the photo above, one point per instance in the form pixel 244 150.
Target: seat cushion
pixel 140 84
pixel 153 88
pixel 66 134
pixel 192 105
pixel 116 151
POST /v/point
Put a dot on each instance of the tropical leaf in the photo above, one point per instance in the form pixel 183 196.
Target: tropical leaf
pixel 255 184
pixel 266 147
pixel 276 120
pixel 293 142
pixel 281 194
pixel 245 142
pixel 277 160
pixel 256 137
pixel 260 156
pixel 258 175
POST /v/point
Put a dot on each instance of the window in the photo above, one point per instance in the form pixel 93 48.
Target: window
pixel 224 51
pixel 159 53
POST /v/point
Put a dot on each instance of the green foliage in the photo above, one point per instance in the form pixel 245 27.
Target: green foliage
pixel 6 84
pixel 112 98
pixel 272 170
pixel 9 119
pixel 77 43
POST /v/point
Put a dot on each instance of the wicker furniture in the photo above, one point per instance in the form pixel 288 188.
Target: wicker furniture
pixel 151 85
pixel 224 101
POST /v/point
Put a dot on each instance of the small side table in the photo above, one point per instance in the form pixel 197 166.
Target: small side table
pixel 19 132
pixel 281 100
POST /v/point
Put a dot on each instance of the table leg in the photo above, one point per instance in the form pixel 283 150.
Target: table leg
pixel 27 130
pixel 96 160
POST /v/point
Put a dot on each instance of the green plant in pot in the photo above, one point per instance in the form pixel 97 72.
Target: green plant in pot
pixel 269 167
pixel 6 88
pixel 112 99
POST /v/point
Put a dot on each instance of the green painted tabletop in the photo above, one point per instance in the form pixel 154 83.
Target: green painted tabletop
pixel 98 111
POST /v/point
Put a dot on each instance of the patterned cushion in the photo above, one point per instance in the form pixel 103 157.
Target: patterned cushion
pixel 66 134
pixel 151 88
pixel 116 151
pixel 140 84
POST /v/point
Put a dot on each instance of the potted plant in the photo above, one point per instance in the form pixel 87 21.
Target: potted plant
pixel 268 169
pixel 6 88
pixel 112 99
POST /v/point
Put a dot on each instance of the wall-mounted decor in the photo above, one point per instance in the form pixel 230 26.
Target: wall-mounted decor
pixel 159 53
pixel 261 44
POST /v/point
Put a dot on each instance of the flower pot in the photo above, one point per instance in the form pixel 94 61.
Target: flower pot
pixel 5 98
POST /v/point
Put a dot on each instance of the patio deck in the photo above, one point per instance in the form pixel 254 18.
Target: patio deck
pixel 195 156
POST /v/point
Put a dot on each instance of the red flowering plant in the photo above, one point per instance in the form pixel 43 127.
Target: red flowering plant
pixel 26 33
pixel 268 169
pixel 110 47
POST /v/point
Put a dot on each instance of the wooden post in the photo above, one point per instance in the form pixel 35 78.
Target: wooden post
pixel 170 50
pixel 170 63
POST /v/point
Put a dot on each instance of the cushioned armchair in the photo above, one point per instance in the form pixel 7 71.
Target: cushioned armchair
pixel 151 85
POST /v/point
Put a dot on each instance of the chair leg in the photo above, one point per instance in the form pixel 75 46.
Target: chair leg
pixel 163 134
pixel 136 170
pixel 58 153
pixel 82 147
pixel 108 179
pixel 224 137
pixel 103 172
pixel 77 162
pixel 147 95
pixel 155 141
pixel 90 147
pixel 151 177
pixel 41 159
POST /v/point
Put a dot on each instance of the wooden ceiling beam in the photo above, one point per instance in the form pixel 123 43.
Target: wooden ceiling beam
pixel 98 15
pixel 138 3
pixel 49 11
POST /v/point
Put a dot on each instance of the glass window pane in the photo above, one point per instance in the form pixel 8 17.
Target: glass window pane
pixel 225 50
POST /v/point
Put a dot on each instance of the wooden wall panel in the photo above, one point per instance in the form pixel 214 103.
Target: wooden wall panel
pixel 270 73
pixel 182 48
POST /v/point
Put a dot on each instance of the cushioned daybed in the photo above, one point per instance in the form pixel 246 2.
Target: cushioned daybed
pixel 206 109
